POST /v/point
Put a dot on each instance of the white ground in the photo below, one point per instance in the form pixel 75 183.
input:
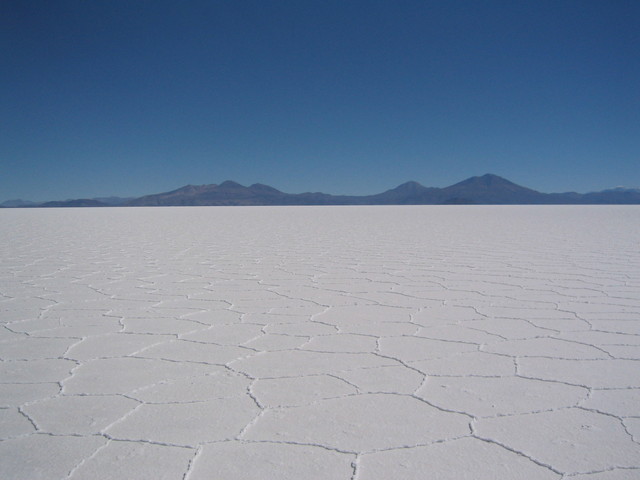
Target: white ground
pixel 320 343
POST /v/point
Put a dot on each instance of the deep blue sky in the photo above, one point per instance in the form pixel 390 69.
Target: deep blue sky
pixel 134 97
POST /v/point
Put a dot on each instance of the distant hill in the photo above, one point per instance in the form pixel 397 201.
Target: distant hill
pixel 487 189
pixel 232 193
pixel 82 202
pixel 227 193
pixel 409 193
pixel 113 201
pixel 17 203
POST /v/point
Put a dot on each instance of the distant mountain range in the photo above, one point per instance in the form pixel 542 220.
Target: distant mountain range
pixel 485 190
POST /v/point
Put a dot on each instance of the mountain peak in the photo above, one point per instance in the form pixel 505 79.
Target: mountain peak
pixel 230 184
pixel 487 180
pixel 411 184
pixel 408 187
pixel 491 189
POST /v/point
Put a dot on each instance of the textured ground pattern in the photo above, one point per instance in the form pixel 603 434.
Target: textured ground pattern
pixel 366 343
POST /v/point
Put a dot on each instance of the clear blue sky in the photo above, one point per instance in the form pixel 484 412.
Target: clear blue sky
pixel 132 97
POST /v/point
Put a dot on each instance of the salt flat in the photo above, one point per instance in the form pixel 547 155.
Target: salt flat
pixel 457 342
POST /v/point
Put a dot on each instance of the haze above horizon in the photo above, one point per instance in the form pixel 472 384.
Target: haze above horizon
pixel 128 98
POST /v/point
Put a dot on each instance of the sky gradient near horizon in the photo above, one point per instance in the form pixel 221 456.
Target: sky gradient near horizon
pixel 345 97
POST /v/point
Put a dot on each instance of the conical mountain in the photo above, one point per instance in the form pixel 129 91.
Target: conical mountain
pixel 490 189
pixel 408 193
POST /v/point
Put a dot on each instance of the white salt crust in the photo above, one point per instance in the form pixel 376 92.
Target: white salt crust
pixel 355 343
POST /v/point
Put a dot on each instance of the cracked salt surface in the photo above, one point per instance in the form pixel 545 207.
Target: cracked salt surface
pixel 354 343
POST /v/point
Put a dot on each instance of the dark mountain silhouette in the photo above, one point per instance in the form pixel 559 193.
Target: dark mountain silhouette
pixel 620 196
pixel 113 201
pixel 17 203
pixel 409 193
pixel 488 189
pixel 82 202
pixel 227 193
pixel 232 193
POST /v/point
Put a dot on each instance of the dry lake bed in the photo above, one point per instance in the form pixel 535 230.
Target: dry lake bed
pixel 368 343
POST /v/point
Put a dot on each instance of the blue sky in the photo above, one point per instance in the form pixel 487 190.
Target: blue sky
pixel 133 97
